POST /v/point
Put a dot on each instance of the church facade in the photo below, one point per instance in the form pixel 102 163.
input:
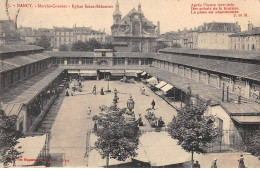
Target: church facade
pixel 134 30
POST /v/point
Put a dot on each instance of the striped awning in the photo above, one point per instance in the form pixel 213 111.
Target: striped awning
pixel 166 87
pixel 161 84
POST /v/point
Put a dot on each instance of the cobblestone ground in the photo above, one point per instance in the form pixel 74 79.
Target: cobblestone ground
pixel 71 125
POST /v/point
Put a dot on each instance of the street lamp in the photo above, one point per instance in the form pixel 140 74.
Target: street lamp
pixel 130 104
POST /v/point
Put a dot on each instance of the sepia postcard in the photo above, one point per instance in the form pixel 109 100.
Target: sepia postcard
pixel 129 84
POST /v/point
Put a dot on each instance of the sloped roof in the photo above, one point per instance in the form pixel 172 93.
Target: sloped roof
pixel 220 27
pixel 212 52
pixel 255 31
pixel 18 48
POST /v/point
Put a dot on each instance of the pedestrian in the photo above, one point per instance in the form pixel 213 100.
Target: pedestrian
pixel 143 90
pixel 196 165
pixel 140 122
pixel 214 164
pixel 153 104
pixel 88 112
pixel 67 92
pixel 102 91
pixel 241 163
pixel 72 92
pixel 94 90
pixel 95 127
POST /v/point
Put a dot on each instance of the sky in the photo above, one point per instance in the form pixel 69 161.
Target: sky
pixel 172 14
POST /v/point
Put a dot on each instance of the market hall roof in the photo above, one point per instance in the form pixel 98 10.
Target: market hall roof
pixel 19 61
pixel 27 90
pixel 213 53
pixel 18 48
pixel 77 54
pixel 238 69
pixel 206 92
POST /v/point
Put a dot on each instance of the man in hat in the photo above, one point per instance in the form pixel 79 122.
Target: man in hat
pixel 241 163
pixel 196 165
pixel 214 163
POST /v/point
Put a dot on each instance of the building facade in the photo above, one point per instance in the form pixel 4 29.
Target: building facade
pixel 247 40
pixel 68 36
pixel 215 35
pixel 135 29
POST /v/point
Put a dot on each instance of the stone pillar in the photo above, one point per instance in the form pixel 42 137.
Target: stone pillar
pixel 207 78
pixel 219 82
pixel 247 89
pixel 80 61
pixel 140 61
pixel 65 62
pixel 126 61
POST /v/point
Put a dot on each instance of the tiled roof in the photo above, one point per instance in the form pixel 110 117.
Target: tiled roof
pixel 217 53
pixel 18 48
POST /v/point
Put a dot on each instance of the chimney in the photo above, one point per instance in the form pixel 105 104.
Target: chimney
pixel 223 92
pixel 158 27
pixel 250 26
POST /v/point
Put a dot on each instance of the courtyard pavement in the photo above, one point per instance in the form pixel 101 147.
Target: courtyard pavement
pixel 70 128
pixel 68 134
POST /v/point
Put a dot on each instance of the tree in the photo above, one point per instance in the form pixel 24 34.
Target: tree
pixel 63 47
pixel 254 145
pixel 109 46
pixel 8 138
pixel 160 45
pixel 92 44
pixel 44 42
pixel 193 130
pixel 79 46
pixel 117 138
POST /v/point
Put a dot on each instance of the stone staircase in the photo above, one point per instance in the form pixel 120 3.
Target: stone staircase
pixel 48 120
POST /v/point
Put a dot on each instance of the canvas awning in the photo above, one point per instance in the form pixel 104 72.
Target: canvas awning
pixel 167 87
pixel 161 84
pixel 132 73
pixel 159 149
pixel 73 71
pixel 152 81
pixel 117 72
pixel 144 73
pixel 104 70
pixel 31 148
pixel 247 119
pixel 88 73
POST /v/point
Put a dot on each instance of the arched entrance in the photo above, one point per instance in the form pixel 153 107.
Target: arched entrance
pixel 103 62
